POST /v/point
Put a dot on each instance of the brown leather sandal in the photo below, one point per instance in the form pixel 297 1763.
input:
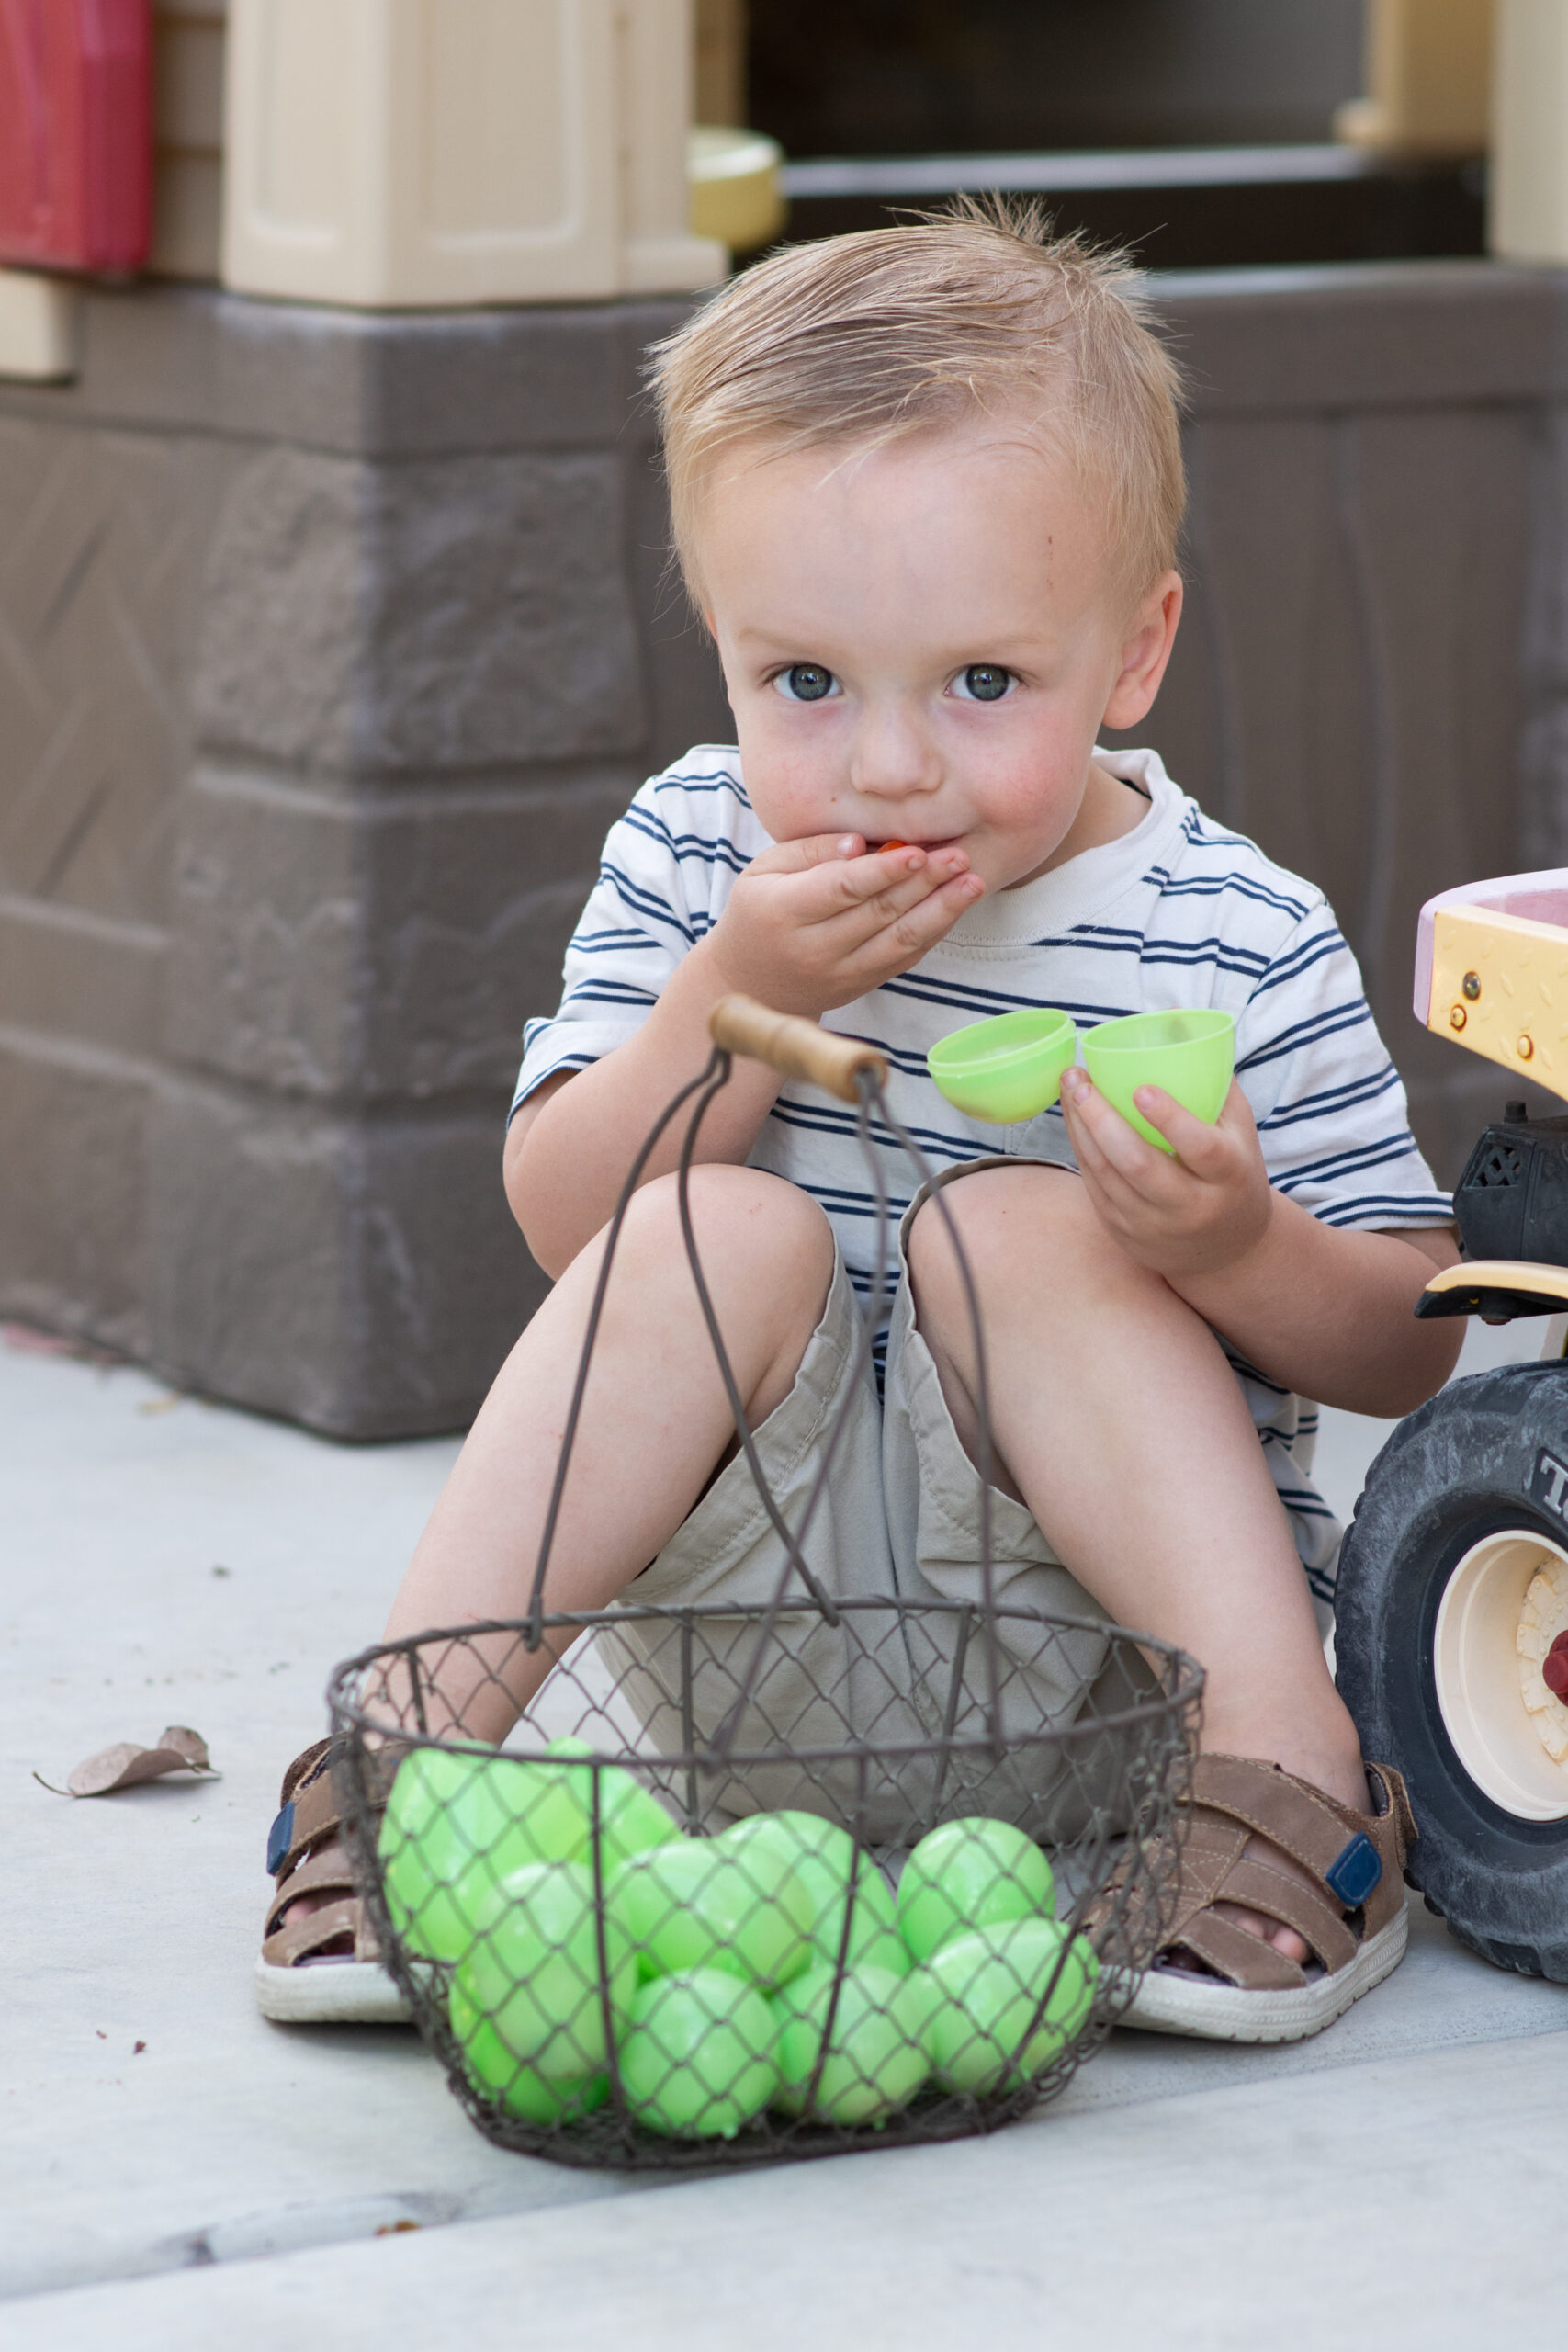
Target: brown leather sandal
pixel 320 1967
pixel 1211 1977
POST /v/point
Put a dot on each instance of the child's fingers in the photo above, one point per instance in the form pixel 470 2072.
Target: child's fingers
pixel 1197 1144
pixel 811 850
pixel 888 875
pixel 898 927
pixel 857 910
pixel 839 924
pixel 1115 1145
pixel 831 874
pixel 1098 1168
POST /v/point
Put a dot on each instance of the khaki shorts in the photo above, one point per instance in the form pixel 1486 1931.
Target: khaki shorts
pixel 899 1520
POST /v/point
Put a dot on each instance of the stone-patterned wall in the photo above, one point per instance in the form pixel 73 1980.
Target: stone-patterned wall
pixel 329 648
pixel 329 645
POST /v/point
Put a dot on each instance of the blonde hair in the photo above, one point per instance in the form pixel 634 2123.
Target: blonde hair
pixel 862 340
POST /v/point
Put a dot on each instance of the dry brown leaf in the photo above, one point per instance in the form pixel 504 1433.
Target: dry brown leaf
pixel 189 1743
pixel 123 1766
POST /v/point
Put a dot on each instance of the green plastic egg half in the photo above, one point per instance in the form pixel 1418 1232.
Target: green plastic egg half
pixel 533 1971
pixel 990 1984
pixel 699 2058
pixel 877 2058
pixel 971 1873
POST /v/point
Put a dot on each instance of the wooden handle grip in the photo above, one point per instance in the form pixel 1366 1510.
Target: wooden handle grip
pixel 796 1048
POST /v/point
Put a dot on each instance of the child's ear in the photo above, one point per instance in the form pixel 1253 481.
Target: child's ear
pixel 1145 650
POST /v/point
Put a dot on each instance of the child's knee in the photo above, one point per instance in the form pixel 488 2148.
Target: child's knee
pixel 746 1224
pixel 1028 1232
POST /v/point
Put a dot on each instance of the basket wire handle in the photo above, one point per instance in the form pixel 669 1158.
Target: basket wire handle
pixel 534 1625
pixel 705 1086
pixel 796 1558
pixel 856 1072
pixel 985 1463
pixel 865 1081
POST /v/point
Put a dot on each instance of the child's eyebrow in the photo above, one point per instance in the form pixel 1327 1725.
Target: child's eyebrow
pixel 1004 646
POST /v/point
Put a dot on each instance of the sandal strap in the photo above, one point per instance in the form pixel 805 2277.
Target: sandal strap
pixel 309 1814
pixel 315 1930
pixel 1259 1885
pixel 1244 1959
pixel 1300 1820
pixel 318 1874
pixel 303 1768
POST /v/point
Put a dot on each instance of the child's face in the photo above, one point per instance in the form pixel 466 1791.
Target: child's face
pixel 921 642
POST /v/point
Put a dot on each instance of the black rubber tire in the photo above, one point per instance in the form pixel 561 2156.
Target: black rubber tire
pixel 1464 1467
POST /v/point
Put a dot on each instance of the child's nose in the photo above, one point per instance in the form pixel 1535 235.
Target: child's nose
pixel 892 754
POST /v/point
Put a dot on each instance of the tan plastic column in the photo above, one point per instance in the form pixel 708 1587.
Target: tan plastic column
pixel 656 84
pixel 188 188
pixel 1427 78
pixel 426 153
pixel 1528 217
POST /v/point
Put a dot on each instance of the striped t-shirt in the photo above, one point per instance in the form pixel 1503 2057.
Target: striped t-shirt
pixel 1177 913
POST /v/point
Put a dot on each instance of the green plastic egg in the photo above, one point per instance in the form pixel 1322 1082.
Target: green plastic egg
pixel 532 1970
pixel 456 1824
pixel 630 1818
pixel 971 1873
pixel 698 1904
pixel 496 2070
pixel 877 2058
pixel 699 2057
pixel 821 1856
pixel 990 1984
pixel 449 1835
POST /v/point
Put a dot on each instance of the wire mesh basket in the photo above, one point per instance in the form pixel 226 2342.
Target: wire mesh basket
pixel 757 1881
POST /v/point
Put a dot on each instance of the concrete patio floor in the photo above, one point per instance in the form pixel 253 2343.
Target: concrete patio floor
pixel 174 2172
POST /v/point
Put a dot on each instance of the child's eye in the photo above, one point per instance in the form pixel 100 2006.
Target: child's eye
pixel 805 681
pixel 982 681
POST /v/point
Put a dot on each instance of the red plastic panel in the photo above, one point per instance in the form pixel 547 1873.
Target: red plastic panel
pixel 76 133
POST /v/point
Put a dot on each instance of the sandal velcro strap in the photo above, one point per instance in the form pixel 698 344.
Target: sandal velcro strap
pixel 280 1839
pixel 1354 1872
pixel 310 1817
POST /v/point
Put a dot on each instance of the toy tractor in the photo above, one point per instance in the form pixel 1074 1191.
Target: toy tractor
pixel 1452 1640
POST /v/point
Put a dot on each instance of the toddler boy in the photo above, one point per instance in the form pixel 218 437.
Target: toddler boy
pixel 927 488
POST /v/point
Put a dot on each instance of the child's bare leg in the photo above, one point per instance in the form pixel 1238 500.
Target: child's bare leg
pixel 1121 1425
pixel 655 1418
pixel 655 1422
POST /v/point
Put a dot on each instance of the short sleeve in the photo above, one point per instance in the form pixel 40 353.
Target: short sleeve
pixel 667 869
pixel 1330 1107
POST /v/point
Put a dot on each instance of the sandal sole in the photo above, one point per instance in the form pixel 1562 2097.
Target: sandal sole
pixel 1210 2011
pixel 342 1991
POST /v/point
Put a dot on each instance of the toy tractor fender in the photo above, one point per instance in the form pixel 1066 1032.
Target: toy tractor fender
pixel 1451 1634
